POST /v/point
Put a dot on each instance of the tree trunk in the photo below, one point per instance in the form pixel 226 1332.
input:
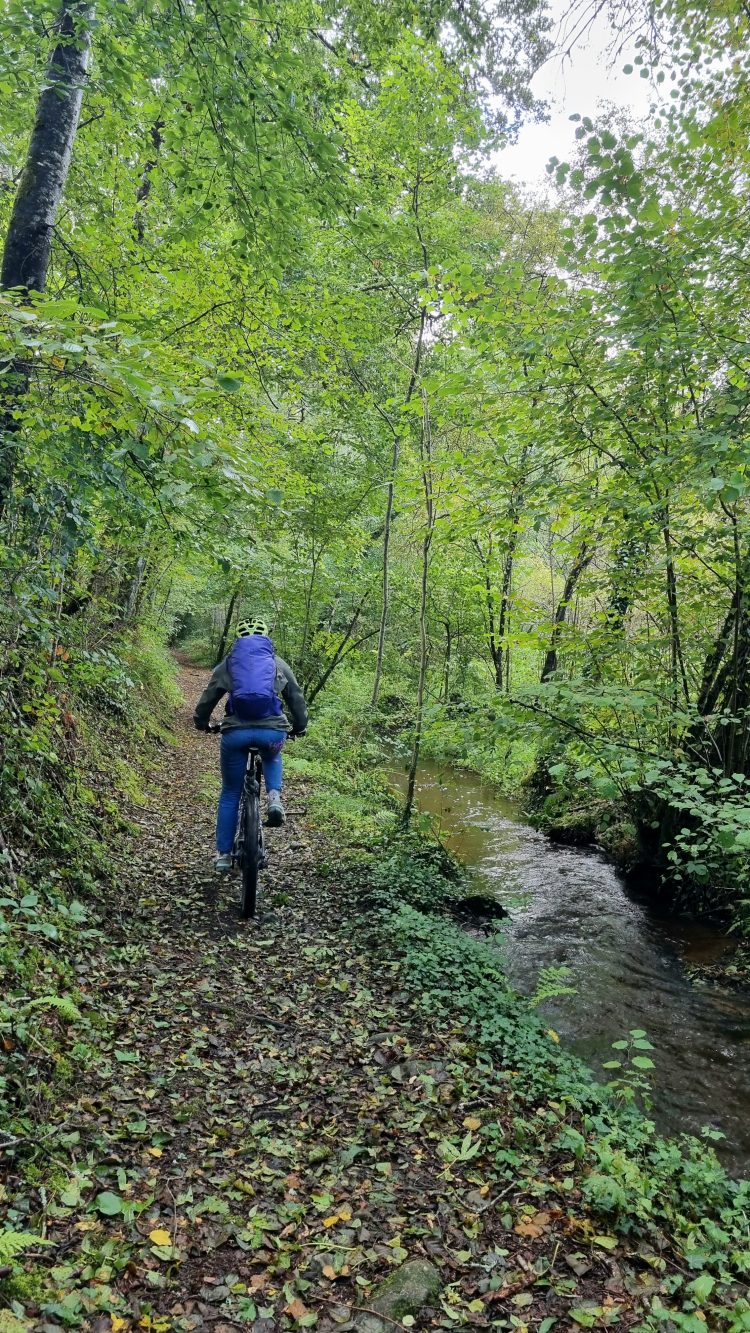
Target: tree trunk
pixel 503 618
pixel 341 652
pixel 447 661
pixel 386 573
pixel 423 642
pixel 389 511
pixel 144 189
pixel 725 681
pixel 582 560
pixel 134 591
pixel 496 647
pixel 227 626
pixel 494 641
pixel 675 644
pixel 627 567
pixel 28 242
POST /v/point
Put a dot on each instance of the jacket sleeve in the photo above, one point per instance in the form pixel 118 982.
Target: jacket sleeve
pixel 217 687
pixel 293 696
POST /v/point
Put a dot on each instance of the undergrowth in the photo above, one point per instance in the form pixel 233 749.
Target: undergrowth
pixel 73 762
pixel 584 1140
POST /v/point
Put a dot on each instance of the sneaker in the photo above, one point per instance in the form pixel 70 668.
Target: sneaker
pixel 275 809
pixel 223 864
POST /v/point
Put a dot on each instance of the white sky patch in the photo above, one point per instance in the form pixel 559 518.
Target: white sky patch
pixel 587 79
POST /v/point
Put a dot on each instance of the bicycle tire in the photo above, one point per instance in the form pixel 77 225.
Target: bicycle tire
pixel 252 851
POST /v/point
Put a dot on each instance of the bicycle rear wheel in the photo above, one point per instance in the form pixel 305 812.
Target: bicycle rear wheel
pixel 252 847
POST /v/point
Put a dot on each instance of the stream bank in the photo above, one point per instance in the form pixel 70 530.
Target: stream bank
pixel 568 907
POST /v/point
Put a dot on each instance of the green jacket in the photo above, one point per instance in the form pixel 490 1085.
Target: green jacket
pixel 286 687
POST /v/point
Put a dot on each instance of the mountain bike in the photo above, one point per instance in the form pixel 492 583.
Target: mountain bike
pixel 248 852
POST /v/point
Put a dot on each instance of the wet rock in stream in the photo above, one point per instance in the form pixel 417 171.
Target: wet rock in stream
pixel 479 909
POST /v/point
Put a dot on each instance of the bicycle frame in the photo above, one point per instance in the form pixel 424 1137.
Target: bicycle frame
pixel 248 850
pixel 248 853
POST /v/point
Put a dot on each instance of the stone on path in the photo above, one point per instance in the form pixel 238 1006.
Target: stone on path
pixel 403 1292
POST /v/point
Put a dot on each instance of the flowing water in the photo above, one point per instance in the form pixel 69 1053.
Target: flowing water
pixel 569 906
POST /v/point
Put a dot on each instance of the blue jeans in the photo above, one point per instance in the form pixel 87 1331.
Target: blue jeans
pixel 235 745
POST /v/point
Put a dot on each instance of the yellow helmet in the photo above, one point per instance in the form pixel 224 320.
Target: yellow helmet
pixel 254 626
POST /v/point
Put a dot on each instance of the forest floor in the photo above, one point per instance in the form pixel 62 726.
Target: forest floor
pixel 269 1128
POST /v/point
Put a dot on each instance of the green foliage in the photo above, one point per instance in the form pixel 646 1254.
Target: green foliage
pixel 631 1179
pixel 244 352
pixel 62 1004
pixel 551 983
pixel 13 1243
pixel 631 1082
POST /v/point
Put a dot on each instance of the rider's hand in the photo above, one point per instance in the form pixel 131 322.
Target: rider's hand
pixel 296 734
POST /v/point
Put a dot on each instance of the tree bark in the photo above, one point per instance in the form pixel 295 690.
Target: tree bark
pixel 144 189
pixel 582 560
pixel 135 589
pixel 389 513
pixel 341 652
pixel 494 637
pixel 28 242
pixel 627 567
pixel 447 661
pixel 386 573
pixel 504 617
pixel 725 680
pixel 423 642
pixel 227 626
pixel 678 672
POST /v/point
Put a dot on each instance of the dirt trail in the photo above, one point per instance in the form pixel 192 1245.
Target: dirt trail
pixel 262 1136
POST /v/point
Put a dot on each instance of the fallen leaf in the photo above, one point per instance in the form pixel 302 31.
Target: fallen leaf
pixel 296 1308
pixel 472 1122
pixel 160 1237
pixel 155 1152
pixel 578 1263
pixel 532 1226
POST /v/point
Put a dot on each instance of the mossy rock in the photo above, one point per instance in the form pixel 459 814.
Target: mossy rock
pixel 576 828
pixel 404 1292
pixel 621 843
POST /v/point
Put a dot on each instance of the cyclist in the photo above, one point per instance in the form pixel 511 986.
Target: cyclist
pixel 256 681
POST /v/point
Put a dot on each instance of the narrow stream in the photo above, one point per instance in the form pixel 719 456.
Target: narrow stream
pixel 569 906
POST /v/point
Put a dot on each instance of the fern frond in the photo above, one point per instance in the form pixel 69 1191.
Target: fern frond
pixel 15 1242
pixel 62 1004
pixel 551 983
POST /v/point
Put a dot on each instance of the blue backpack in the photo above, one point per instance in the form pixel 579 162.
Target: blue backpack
pixel 252 673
